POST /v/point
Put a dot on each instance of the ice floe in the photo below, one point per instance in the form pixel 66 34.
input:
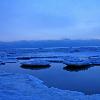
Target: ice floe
pixel 35 64
pixel 95 60
pixel 79 61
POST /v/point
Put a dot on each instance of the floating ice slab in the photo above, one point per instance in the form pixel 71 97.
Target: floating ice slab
pixel 11 61
pixel 82 61
pixel 76 61
pixel 35 64
pixel 94 60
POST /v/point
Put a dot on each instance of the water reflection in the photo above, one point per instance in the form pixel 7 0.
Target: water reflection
pixel 76 69
pixel 35 67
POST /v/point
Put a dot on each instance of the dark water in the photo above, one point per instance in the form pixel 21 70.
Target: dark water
pixel 83 80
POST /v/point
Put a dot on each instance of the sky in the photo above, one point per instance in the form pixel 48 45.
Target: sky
pixel 49 19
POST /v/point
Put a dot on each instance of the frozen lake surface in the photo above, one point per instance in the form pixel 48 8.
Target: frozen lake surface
pixel 83 80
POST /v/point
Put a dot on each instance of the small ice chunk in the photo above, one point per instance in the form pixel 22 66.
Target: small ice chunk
pixel 2 62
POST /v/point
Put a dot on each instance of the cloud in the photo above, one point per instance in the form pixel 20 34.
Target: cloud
pixel 32 19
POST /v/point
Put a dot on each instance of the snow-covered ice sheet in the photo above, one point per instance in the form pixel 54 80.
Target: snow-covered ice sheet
pixel 27 87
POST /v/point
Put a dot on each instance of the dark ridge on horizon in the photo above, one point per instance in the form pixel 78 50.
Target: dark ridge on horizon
pixel 49 43
pixel 66 39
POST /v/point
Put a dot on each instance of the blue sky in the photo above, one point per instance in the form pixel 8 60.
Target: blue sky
pixel 49 19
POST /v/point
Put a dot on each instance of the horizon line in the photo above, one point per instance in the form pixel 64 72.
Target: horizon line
pixel 49 40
